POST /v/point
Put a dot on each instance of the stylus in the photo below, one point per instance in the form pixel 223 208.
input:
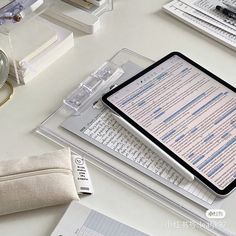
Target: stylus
pixel 179 168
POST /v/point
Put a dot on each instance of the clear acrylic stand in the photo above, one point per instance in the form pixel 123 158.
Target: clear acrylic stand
pixel 16 30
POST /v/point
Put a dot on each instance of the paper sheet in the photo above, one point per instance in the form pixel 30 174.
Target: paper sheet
pixel 82 221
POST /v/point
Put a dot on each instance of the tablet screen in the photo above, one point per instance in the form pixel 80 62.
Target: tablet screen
pixel 189 112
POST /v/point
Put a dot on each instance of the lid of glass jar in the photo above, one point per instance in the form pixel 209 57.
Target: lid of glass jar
pixel 4 68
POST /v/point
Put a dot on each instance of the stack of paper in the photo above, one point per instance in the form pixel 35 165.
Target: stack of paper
pixel 30 39
pixel 35 45
pixel 203 16
pixel 75 17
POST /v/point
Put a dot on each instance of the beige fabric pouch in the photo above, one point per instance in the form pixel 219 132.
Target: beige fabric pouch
pixel 37 181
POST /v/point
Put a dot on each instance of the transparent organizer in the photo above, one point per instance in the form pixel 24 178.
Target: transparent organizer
pixel 80 14
pixel 95 85
pixel 18 16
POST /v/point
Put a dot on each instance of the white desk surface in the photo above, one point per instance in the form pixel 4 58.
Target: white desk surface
pixel 135 24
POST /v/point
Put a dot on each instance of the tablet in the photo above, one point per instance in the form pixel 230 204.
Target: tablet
pixel 186 111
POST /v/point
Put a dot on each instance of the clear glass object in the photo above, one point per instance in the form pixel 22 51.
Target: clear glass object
pixel 83 94
pixel 4 68
pixel 4 72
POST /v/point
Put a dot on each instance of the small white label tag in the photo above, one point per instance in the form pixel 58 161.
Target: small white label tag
pixel 81 175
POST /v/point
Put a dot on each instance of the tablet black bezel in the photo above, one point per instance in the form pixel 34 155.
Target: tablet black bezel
pixel 222 192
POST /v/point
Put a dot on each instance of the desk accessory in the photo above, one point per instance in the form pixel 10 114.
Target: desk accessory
pixel 203 16
pixel 81 175
pixel 48 48
pixel 161 190
pixel 38 181
pixel 4 72
pixel 80 14
pixel 4 68
pixel 28 51
pixel 180 169
pixel 16 10
pixel 11 13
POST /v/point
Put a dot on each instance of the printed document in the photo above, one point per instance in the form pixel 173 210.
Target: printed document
pixel 82 221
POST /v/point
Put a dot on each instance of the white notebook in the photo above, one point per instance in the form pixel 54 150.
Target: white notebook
pixel 31 38
pixel 74 17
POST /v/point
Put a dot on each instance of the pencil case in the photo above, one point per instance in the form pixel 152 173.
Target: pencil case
pixel 36 181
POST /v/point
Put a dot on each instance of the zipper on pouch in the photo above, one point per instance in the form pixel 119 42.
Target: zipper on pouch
pixel 34 173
